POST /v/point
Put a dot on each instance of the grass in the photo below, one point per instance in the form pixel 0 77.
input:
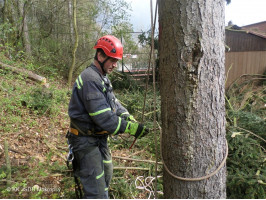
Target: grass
pixel 34 121
pixel 30 115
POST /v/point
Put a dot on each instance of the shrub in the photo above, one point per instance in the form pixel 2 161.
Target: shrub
pixel 44 100
pixel 245 133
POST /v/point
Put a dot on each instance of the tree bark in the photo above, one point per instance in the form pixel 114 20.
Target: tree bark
pixel 71 69
pixel 192 75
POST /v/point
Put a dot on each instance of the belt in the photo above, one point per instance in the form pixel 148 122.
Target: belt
pixel 89 132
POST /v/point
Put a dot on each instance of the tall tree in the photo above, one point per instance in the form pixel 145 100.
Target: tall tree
pixel 22 9
pixel 1 10
pixel 192 75
pixel 70 16
pixel 71 69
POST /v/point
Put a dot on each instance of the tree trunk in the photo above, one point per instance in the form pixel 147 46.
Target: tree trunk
pixel 2 3
pixel 4 10
pixel 192 79
pixel 71 69
pixel 24 27
pixel 7 12
pixel 70 15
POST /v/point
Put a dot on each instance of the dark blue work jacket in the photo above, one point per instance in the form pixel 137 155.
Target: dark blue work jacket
pixel 93 105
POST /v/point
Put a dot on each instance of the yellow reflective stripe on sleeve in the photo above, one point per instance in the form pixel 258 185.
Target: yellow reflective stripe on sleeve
pixel 118 126
pixel 107 161
pixel 125 113
pixel 99 176
pixel 78 84
pixel 100 112
pixel 80 80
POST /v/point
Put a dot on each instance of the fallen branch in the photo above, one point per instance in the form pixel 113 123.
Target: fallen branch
pixel 27 73
pixel 5 181
pixel 139 152
pixel 250 133
pixel 137 160
pixel 130 168
pixel 51 175
pixel 16 151
pixel 146 114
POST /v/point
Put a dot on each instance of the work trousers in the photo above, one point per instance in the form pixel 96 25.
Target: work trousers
pixel 93 164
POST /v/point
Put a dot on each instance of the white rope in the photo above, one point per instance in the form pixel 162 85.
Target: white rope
pixel 145 184
pixel 197 178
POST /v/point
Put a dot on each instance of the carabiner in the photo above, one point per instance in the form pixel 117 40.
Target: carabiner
pixel 70 156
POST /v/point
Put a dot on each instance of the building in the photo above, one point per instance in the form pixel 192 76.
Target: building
pixel 245 50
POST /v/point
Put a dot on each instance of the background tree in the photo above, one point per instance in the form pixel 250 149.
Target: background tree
pixel 44 30
pixel 71 69
pixel 24 30
pixel 124 32
pixel 192 78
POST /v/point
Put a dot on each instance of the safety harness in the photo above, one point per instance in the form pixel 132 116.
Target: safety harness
pixel 74 129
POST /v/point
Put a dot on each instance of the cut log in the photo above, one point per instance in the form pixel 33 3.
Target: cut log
pixel 27 73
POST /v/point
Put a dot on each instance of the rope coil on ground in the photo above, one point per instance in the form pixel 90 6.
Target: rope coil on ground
pixel 146 185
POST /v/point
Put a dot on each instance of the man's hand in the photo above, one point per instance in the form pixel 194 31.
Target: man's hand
pixel 136 129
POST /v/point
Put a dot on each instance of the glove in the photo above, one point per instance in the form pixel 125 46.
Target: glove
pixel 126 116
pixel 136 129
pixel 131 118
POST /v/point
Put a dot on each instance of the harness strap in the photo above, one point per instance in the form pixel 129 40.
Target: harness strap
pixel 101 63
pixel 77 131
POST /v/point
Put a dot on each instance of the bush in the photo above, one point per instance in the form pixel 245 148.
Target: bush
pixel 245 133
pixel 44 100
pixel 245 166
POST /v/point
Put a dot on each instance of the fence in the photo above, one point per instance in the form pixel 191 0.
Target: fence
pixel 250 62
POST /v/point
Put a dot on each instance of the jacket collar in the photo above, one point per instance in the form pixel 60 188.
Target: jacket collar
pixel 104 77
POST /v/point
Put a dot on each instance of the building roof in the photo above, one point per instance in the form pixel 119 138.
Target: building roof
pixel 258 29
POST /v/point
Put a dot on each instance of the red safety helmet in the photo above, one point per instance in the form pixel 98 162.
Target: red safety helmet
pixel 111 46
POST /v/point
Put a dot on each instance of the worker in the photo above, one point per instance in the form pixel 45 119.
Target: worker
pixel 95 113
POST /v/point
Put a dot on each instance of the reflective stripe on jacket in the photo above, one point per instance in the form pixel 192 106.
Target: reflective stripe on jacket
pixel 93 105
